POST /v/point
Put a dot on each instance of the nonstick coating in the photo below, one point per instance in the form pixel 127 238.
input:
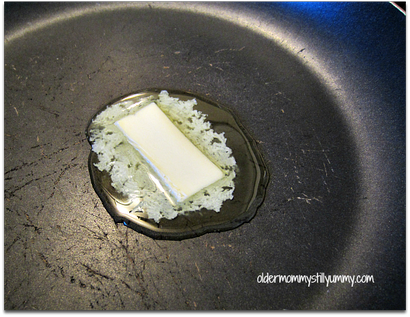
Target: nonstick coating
pixel 321 86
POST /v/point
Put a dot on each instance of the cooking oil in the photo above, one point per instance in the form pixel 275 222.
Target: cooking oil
pixel 250 182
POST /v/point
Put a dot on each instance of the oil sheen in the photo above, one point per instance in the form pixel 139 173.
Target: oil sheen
pixel 246 177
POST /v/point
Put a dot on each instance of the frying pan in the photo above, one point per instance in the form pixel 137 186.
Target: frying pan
pixel 320 86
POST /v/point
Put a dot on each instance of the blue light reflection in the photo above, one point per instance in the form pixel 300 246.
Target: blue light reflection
pixel 317 10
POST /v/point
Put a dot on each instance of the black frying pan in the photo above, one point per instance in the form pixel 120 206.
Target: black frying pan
pixel 321 86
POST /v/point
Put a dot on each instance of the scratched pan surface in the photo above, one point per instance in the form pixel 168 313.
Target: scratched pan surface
pixel 320 86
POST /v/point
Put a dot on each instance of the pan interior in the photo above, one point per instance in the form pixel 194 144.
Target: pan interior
pixel 59 76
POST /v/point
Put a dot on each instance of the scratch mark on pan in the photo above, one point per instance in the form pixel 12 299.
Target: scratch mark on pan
pixel 323 150
pixel 308 200
pixel 44 259
pixel 199 273
pixel 230 49
pixel 94 272
pixel 326 157
pixel 14 241
pixel 324 166
pixel 327 187
pixel 63 172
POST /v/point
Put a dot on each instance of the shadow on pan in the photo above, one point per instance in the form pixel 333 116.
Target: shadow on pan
pixel 321 86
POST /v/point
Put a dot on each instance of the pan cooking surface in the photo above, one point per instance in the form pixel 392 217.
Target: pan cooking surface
pixel 319 89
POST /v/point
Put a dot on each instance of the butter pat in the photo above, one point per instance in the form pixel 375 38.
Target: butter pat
pixel 180 164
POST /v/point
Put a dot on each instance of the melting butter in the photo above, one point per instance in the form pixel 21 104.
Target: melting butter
pixel 131 190
pixel 160 152
pixel 182 167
